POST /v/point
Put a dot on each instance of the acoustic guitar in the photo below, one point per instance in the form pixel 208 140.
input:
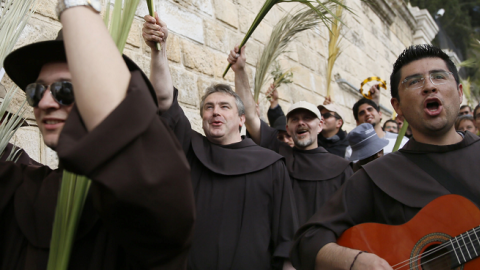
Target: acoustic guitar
pixel 445 234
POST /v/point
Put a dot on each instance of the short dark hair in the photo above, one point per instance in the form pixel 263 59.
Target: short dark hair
pixel 362 101
pixel 465 106
pixel 389 121
pixel 475 111
pixel 462 118
pixel 417 52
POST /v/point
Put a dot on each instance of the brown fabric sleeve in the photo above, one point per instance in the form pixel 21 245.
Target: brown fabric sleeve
pixel 352 204
pixel 268 137
pixel 141 179
pixel 178 122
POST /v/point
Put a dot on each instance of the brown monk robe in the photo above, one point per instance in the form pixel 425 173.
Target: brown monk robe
pixel 385 192
pixel 244 203
pixel 316 174
pixel 139 213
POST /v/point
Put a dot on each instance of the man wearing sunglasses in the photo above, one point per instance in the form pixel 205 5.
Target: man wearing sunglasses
pixel 332 137
pixel 99 112
pixel 426 91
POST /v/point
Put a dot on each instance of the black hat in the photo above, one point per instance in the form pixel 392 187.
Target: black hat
pixel 280 123
pixel 24 64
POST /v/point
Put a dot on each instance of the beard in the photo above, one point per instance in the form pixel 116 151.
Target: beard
pixel 302 143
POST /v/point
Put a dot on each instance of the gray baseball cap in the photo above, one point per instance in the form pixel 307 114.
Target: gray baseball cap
pixel 365 142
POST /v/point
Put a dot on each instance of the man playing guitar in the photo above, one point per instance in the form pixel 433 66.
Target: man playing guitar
pixel 426 91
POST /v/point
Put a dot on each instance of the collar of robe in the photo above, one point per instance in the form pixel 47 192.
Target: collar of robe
pixel 404 181
pixel 35 202
pixel 312 165
pixel 233 159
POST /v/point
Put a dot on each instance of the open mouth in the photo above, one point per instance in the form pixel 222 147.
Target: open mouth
pixel 302 131
pixel 433 106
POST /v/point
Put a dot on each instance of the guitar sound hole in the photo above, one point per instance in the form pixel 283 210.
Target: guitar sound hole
pixel 438 260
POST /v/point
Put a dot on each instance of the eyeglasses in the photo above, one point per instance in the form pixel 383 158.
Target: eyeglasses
pixel 62 93
pixel 437 78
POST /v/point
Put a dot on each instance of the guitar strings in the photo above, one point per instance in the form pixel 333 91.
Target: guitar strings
pixel 443 245
pixel 407 262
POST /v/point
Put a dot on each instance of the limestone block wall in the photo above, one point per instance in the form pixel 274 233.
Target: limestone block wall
pixel 202 32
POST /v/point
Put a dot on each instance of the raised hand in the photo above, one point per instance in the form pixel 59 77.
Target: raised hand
pixel 237 58
pixel 327 100
pixel 154 31
pixel 375 92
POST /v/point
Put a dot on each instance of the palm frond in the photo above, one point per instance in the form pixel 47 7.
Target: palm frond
pixel 14 17
pixel 284 32
pixel 323 10
pixel 470 62
pixel 334 50
pixel 10 122
pixel 121 20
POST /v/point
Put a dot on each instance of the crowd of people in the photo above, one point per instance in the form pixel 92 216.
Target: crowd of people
pixel 164 196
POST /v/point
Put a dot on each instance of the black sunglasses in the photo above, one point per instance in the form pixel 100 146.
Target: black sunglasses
pixel 62 93
pixel 330 114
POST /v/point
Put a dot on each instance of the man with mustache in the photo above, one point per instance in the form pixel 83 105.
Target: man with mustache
pixel 246 215
pixel 99 112
pixel 426 91
pixel 315 173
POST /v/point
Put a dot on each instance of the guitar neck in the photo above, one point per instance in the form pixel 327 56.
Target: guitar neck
pixel 465 247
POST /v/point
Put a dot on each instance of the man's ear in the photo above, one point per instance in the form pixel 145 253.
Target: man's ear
pixel 242 120
pixel 320 124
pixel 396 106
pixel 460 92
pixel 339 123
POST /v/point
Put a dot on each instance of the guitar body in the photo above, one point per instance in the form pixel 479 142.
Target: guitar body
pixel 405 246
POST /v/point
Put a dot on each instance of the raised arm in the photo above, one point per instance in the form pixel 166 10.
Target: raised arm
pixel 100 76
pixel 242 87
pixel 154 30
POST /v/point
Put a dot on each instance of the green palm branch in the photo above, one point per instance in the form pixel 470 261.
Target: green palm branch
pixel 322 9
pixel 74 188
pixel 14 17
pixel 334 50
pixel 10 123
pixel 284 32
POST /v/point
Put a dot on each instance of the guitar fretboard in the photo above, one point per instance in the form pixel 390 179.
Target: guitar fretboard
pixel 465 247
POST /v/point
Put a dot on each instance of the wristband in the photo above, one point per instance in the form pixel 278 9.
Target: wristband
pixel 382 84
pixel 354 259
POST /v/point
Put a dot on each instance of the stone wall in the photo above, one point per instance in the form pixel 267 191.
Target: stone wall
pixel 203 31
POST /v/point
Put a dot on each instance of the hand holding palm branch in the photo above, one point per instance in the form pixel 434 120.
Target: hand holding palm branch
pixel 151 11
pixel 321 9
pixel 154 32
